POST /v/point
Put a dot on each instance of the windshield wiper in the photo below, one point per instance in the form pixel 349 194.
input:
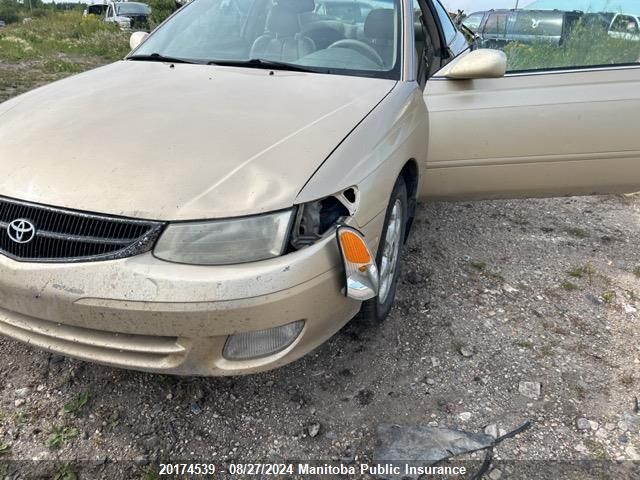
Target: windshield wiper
pixel 156 57
pixel 266 64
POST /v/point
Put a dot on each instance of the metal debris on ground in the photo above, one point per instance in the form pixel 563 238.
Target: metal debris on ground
pixel 430 445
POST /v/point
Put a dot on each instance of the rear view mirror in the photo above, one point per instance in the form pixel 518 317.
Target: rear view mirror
pixel 137 38
pixel 483 63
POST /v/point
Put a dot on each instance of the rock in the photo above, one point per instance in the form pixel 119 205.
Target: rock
pixel 430 381
pixel 22 392
pixel 196 409
pixel 509 289
pixel 55 359
pixel 629 423
pixel 593 425
pixel 530 389
pixel 435 362
pixel 414 277
pixel 466 352
pixel 632 453
pixel 609 427
pixel 19 402
pixel 464 416
pixel 141 461
pixel 630 309
pixel 583 424
pixel 313 429
pixel 495 474
pixel 491 430
pixel 269 384
pixel 581 448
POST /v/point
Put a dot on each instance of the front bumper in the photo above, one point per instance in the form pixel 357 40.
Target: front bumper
pixel 146 314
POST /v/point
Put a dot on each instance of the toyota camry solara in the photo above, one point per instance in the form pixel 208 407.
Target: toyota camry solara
pixel 228 196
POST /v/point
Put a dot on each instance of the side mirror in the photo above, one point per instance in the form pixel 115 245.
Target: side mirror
pixel 137 38
pixel 482 63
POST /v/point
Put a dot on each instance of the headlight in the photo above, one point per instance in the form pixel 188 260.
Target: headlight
pixel 225 242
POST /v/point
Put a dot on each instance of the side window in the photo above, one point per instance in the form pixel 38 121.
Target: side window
pixel 445 20
pixel 473 21
pixel 496 24
pixel 557 35
pixel 109 12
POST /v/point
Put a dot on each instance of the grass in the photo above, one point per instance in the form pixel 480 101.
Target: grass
pixel 598 452
pixel 582 270
pixel 636 271
pixel 66 471
pixel 76 405
pixel 578 232
pixel 20 419
pixel 587 46
pixel 569 286
pixel 53 46
pixel 59 436
pixel 608 297
pixel 66 33
pixel 5 448
pixel 478 265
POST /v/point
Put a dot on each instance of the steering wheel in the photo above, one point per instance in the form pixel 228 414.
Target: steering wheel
pixel 360 47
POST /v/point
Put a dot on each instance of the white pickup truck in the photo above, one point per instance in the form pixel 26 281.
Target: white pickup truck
pixel 625 26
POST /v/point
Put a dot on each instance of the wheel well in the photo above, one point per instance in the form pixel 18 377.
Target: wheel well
pixel 410 174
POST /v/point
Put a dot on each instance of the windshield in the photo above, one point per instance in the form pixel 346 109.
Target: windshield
pixel 132 9
pixel 338 36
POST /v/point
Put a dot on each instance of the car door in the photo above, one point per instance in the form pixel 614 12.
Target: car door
pixel 553 126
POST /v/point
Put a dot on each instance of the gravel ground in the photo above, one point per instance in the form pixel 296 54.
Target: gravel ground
pixel 507 311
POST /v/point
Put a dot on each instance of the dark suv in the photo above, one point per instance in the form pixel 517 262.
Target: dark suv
pixel 495 28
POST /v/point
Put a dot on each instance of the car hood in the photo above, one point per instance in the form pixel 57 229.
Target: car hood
pixel 152 140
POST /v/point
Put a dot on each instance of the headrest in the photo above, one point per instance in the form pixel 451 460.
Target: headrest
pixel 282 22
pixel 379 24
pixel 296 6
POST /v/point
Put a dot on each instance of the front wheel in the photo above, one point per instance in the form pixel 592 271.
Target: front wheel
pixel 375 311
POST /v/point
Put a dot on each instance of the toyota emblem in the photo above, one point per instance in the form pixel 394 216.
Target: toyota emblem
pixel 21 231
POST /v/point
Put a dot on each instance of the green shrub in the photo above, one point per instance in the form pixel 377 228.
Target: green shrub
pixel 63 33
pixel 586 46
pixel 9 12
pixel 160 10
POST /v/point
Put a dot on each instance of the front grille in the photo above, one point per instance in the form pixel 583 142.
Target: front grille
pixel 60 235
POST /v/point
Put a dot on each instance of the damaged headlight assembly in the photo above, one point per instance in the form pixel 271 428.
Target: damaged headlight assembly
pixel 259 237
pixel 315 220
pixel 226 242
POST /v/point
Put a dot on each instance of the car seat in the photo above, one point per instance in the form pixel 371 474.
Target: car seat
pixel 282 40
pixel 379 30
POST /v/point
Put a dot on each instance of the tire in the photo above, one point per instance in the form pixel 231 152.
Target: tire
pixel 376 310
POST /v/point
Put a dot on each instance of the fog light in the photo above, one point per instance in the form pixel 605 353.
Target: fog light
pixel 261 343
pixel 361 273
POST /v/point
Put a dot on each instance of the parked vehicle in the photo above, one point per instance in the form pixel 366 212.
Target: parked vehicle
pixel 128 15
pixel 96 7
pixel 256 190
pixel 2 24
pixel 499 27
pixel 625 26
